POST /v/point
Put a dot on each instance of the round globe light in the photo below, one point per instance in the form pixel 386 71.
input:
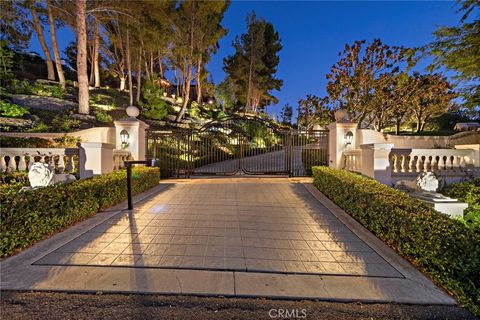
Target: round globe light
pixel 132 111
pixel 341 114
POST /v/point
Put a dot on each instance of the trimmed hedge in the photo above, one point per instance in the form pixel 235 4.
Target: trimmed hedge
pixel 444 248
pixel 30 216
pixel 469 192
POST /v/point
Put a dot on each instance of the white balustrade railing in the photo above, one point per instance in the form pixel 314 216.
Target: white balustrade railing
pixel 353 160
pixel 119 158
pixel 416 161
pixel 21 159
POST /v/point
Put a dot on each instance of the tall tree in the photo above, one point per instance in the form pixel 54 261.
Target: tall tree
pixel 457 48
pixel 352 79
pixel 37 25
pixel 82 73
pixel 114 50
pixel 129 66
pixel 210 32
pixel 404 89
pixel 251 69
pixel 56 52
pixel 196 29
pixel 287 114
pixel 96 53
pixel 433 98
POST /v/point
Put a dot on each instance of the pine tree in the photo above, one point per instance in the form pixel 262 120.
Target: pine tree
pixel 251 69
pixel 287 114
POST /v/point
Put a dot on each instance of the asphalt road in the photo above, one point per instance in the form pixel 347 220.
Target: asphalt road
pixel 52 306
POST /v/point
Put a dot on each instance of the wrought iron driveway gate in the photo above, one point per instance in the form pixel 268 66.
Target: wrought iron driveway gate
pixel 237 145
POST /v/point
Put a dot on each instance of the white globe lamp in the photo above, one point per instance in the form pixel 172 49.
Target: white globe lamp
pixel 341 115
pixel 132 111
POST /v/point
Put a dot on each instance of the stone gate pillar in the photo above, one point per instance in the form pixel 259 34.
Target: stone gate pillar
pixel 135 130
pixel 342 136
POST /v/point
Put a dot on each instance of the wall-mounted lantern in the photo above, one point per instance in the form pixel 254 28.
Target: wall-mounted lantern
pixel 348 138
pixel 124 137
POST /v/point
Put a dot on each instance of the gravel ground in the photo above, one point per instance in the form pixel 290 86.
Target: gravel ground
pixel 52 306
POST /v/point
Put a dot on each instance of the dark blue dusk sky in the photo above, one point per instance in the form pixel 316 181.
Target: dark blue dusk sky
pixel 313 33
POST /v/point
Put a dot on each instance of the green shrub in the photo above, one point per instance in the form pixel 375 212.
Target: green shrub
pixel 444 248
pixel 47 90
pixel 33 215
pixel 12 110
pixel 20 178
pixel 153 105
pixel 104 100
pixel 102 116
pixel 20 87
pixel 469 192
pixel 54 121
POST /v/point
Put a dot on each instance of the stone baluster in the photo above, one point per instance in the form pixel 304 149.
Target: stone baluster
pixel 3 164
pixel 74 163
pixel 411 164
pixel 419 164
pixel 22 164
pixel 69 164
pixel 122 161
pixel 31 160
pixel 11 164
pixel 441 163
pixel 462 163
pixel 403 163
pixel 424 164
pixel 51 163
pixel 433 164
pixel 449 163
pixel 393 160
pixel 454 163
pixel 61 163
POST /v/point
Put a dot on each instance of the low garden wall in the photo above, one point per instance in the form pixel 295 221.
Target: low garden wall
pixel 29 216
pixel 446 249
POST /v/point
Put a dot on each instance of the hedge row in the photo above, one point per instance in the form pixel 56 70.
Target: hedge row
pixel 469 192
pixel 32 215
pixel 444 248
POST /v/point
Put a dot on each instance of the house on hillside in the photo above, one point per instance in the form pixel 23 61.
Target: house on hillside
pixel 466 126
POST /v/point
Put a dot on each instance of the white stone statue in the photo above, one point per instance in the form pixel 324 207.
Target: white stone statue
pixel 427 181
pixel 40 175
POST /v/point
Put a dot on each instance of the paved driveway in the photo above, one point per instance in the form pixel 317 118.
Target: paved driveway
pixel 272 237
pixel 248 226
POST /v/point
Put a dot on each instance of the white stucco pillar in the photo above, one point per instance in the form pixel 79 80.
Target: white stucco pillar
pixel 95 158
pixel 376 161
pixel 337 143
pixel 137 137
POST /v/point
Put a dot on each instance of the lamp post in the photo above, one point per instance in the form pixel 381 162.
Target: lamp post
pixel 128 165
